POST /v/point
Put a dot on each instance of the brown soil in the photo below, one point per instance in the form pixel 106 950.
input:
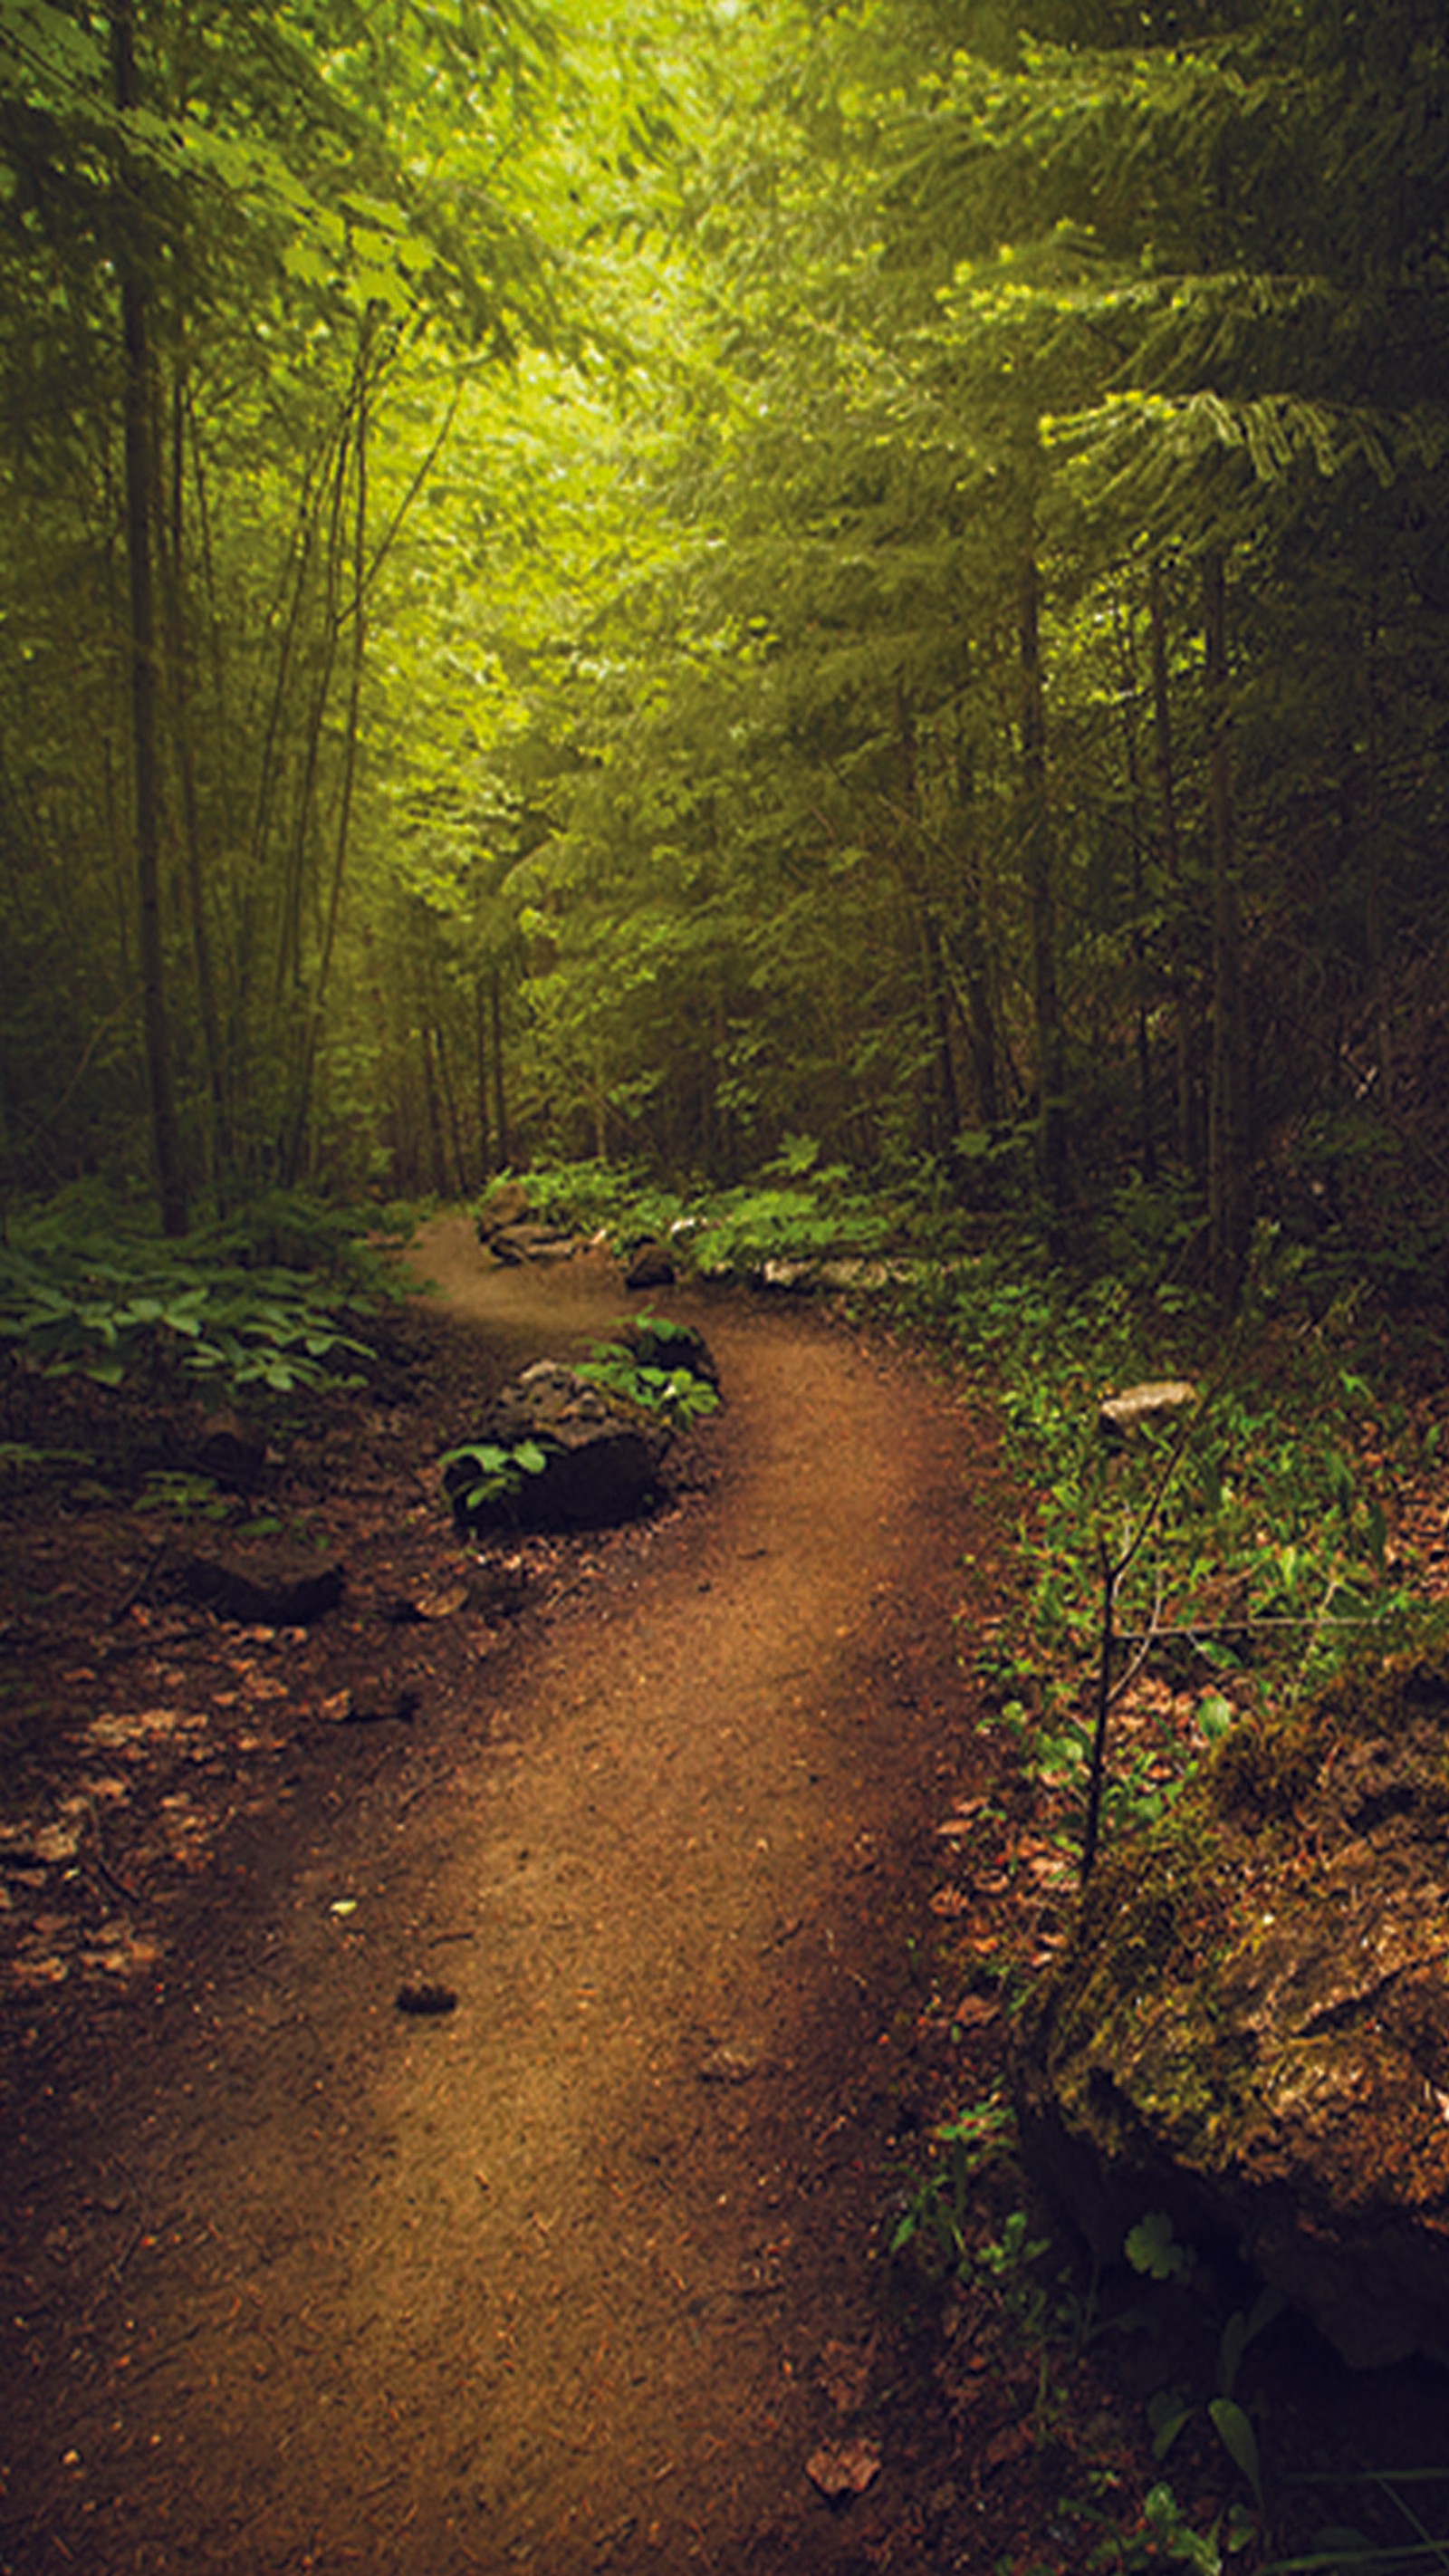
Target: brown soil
pixel 581 2273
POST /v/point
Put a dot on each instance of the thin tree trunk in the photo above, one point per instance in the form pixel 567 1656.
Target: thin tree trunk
pixel 1189 1134
pixel 435 1123
pixel 1230 1162
pixel 141 518
pixel 178 672
pixel 500 1097
pixel 1041 906
pixel 979 1014
pixel 312 1026
pixel 480 1034
pixel 1374 892
pixel 1137 833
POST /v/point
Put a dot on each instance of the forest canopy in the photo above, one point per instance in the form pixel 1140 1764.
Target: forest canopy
pixel 643 580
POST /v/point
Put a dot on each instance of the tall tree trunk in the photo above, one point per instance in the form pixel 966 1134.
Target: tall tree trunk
pixel 1230 1145
pixel 1374 890
pixel 174 575
pixel 500 1099
pixel 975 981
pixel 1136 835
pixel 480 1037
pixel 342 830
pixel 1040 873
pixel 1189 1124
pixel 943 1110
pixel 141 520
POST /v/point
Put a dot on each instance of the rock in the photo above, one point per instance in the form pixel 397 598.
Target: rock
pixel 1250 2029
pixel 505 1204
pixel 843 2470
pixel 513 1244
pixel 601 1456
pixel 651 1265
pixel 280 1603
pixel 847 1272
pixel 1143 1408
pixel 231 1453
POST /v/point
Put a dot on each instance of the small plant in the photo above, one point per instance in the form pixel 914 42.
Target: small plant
pixel 483 1472
pixel 936 2215
pixel 190 1497
pixel 679 1394
pixel 1153 2248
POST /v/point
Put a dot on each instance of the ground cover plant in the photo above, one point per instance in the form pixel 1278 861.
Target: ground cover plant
pixel 1292 1519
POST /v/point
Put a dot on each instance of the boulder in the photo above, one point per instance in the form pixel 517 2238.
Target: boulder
pixel 274 1595
pixel 505 1204
pixel 601 1457
pixel 650 1265
pixel 513 1244
pixel 1250 2026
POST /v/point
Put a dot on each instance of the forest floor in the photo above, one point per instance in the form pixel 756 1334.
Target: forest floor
pixel 465 2056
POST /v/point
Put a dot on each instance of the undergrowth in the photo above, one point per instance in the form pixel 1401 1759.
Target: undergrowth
pixel 1253 1528
pixel 267 1302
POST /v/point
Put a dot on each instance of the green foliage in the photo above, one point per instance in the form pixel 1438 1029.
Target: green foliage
pixel 678 1395
pixel 937 2215
pixel 619 1200
pixel 83 1293
pixel 1267 1553
pixel 492 1472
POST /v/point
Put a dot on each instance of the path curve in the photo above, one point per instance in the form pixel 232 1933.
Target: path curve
pixel 545 2283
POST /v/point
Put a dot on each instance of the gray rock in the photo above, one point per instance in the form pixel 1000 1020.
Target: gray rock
pixel 1250 2028
pixel 601 1457
pixel 1144 1408
pixel 513 1244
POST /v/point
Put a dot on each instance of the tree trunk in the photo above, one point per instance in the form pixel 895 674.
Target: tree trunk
pixel 1374 890
pixel 174 574
pixel 480 1037
pixel 500 1102
pixel 141 521
pixel 1041 906
pixel 1189 1124
pixel 1136 837
pixel 1230 1151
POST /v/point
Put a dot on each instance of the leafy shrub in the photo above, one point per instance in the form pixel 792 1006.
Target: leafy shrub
pixel 117 1305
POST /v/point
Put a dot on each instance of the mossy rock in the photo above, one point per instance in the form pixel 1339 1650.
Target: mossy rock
pixel 1250 2027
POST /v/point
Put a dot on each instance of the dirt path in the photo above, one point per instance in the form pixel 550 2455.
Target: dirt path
pixel 575 2276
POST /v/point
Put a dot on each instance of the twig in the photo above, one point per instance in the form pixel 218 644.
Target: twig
pixel 1145 1639
pixel 100 1862
pixel 1248 1627
pixel 144 1581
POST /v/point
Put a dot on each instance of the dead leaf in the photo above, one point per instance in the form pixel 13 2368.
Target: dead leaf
pixel 445 1603
pixel 1011 2443
pixel 974 2011
pixel 845 2468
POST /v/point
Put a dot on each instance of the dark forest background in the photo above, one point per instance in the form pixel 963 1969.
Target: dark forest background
pixel 654 583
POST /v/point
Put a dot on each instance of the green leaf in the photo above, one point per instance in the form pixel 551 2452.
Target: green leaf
pixel 1152 2247
pixel 1234 2430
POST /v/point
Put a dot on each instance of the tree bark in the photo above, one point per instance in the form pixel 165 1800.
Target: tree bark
pixel 1230 1147
pixel 141 515
pixel 1041 906
pixel 500 1102
pixel 1189 1124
